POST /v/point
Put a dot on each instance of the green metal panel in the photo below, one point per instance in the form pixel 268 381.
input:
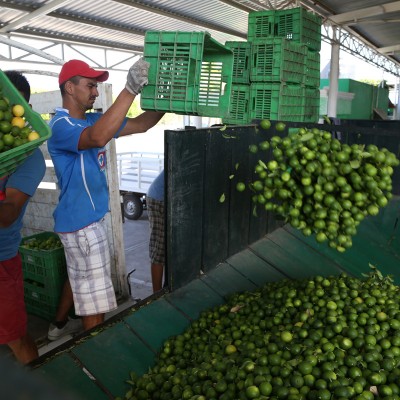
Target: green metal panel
pixel 370 246
pixel 184 205
pixel 254 268
pixel 350 264
pixel 291 265
pixel 317 263
pixel 362 103
pixel 225 280
pixel 156 322
pixel 216 212
pixel 64 373
pixel 361 107
pixel 240 204
pixel 193 298
pixel 112 354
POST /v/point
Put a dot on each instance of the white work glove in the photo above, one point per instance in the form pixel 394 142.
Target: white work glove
pixel 137 76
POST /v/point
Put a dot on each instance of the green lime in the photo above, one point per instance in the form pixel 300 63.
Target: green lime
pixel 265 124
pixel 280 126
pixel 240 186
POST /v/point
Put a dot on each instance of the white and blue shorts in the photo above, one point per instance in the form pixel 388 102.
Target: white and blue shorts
pixel 89 270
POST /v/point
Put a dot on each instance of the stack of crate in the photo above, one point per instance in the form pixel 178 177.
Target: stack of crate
pixel 45 272
pixel 276 72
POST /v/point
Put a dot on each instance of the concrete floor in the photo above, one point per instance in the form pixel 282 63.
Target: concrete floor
pixel 136 240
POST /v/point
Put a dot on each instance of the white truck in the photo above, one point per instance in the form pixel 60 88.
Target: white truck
pixel 136 172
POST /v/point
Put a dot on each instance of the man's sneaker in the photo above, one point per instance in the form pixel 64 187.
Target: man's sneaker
pixel 72 326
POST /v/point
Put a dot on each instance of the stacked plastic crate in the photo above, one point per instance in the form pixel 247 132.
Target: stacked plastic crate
pixel 282 68
pixel 45 271
pixel 239 106
pixel 190 74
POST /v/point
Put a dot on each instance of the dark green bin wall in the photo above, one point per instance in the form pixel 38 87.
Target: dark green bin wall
pixel 235 250
pixel 202 231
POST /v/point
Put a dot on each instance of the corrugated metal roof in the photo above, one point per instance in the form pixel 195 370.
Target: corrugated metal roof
pixel 121 24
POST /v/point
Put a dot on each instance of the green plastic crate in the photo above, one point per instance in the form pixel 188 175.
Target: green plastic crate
pixel 299 25
pixel 241 61
pixel 311 104
pixel 277 60
pixel 190 74
pixel 277 101
pixel 45 272
pixel 260 25
pixel 40 302
pixel 239 106
pixel 11 159
pixel 313 67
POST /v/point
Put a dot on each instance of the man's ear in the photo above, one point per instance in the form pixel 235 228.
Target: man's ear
pixel 68 87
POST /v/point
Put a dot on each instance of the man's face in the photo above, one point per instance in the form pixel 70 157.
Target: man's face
pixel 85 92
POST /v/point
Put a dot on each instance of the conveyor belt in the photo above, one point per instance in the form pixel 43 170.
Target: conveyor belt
pixel 98 366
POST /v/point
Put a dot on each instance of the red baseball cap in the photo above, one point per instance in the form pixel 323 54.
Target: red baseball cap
pixel 80 68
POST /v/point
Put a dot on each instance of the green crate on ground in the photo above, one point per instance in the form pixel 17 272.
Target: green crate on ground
pixel 190 73
pixel 313 67
pixel 239 106
pixel 44 273
pixel 260 25
pixel 299 25
pixel 277 60
pixel 40 301
pixel 11 159
pixel 311 104
pixel 277 101
pixel 241 61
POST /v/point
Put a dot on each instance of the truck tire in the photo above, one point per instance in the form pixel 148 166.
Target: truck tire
pixel 133 206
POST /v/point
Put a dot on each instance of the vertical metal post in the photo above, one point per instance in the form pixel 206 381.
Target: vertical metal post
pixel 396 114
pixel 334 75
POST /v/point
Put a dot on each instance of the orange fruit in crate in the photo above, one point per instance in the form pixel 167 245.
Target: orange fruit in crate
pixel 18 121
pixel 33 136
pixel 18 110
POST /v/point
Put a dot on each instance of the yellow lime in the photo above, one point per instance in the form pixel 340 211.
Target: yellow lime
pixel 33 136
pixel 18 121
pixel 18 110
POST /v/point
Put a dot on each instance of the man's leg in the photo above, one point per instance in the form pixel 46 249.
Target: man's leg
pixel 62 325
pixel 157 271
pixel 66 303
pixel 24 349
pixel 155 210
pixel 89 271
pixel 90 321
pixel 13 316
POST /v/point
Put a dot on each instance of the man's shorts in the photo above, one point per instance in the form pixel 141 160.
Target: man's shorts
pixel 13 318
pixel 155 210
pixel 88 263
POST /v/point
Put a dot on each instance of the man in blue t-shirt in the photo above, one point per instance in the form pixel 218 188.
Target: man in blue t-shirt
pixel 77 148
pixel 155 211
pixel 15 191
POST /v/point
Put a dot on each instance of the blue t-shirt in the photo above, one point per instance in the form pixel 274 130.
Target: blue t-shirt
pixel 26 179
pixel 156 189
pixel 81 174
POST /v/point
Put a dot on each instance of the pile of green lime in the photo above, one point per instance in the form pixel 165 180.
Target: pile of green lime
pixel 50 243
pixel 334 337
pixel 320 185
